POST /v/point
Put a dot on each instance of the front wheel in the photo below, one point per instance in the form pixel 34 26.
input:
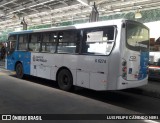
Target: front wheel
pixel 19 71
pixel 65 80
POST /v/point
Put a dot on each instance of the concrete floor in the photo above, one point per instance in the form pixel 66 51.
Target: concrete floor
pixel 39 96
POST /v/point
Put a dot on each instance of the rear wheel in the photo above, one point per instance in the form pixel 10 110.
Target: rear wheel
pixel 19 71
pixel 65 80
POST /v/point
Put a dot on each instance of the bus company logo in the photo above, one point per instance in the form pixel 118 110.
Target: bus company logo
pixel 132 58
pixel 39 58
pixel 34 58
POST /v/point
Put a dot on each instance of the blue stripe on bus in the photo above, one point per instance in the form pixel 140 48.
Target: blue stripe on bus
pixel 19 56
pixel 144 57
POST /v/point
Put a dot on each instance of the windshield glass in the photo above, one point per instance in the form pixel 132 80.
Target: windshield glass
pixel 137 37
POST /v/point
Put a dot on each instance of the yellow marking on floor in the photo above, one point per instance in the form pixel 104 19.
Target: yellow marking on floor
pixel 13 72
pixel 2 74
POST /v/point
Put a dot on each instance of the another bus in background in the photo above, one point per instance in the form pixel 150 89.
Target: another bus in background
pixel 154 65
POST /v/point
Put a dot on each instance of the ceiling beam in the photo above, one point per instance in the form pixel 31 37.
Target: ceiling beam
pixel 5 2
pixel 64 2
pixel 84 2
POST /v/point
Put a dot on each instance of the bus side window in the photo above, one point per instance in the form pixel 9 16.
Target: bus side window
pixel 12 46
pixel 22 42
pixel 67 41
pixel 34 42
pixel 12 42
pixel 49 42
pixel 98 41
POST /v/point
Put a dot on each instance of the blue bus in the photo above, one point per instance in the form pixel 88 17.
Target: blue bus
pixel 106 55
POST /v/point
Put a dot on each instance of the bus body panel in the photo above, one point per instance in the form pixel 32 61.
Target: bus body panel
pixel 87 71
pixel 19 56
pixel 92 72
pixel 137 65
pixel 136 68
pixel 123 84
pixel 114 60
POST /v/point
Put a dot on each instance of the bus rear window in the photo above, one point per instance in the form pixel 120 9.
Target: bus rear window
pixel 137 37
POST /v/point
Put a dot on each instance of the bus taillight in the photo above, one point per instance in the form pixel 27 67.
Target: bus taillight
pixel 124 63
pixel 124 70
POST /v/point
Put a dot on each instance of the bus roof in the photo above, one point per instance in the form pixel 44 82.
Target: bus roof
pixel 76 26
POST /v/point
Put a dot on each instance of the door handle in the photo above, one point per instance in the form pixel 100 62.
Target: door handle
pixel 100 72
pixel 79 69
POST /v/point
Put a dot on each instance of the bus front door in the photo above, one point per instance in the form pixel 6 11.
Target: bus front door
pixel 10 59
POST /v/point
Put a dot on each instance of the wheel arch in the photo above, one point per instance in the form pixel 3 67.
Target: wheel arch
pixel 61 68
pixel 17 63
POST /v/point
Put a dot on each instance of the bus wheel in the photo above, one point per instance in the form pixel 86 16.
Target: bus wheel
pixel 19 71
pixel 65 80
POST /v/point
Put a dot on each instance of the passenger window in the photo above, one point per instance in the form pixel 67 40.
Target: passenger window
pixel 12 42
pixel 12 46
pixel 12 38
pixel 49 42
pixel 23 45
pixel 98 41
pixel 67 41
pixel 34 42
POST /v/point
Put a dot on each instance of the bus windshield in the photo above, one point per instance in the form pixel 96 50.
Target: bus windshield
pixel 137 37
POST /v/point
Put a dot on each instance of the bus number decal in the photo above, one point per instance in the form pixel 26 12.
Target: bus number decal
pixel 100 61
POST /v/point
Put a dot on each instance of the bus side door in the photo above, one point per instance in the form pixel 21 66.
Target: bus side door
pixel 11 56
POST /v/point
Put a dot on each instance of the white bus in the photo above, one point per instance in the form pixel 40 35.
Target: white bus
pixel 106 55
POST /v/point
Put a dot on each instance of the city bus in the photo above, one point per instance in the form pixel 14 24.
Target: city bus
pixel 154 65
pixel 105 55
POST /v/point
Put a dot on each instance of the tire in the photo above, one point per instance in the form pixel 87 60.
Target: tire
pixel 65 80
pixel 19 71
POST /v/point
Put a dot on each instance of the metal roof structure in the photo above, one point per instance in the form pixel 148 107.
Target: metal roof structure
pixel 36 12
pixel 76 26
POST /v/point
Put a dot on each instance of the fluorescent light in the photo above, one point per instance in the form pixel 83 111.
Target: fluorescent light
pixel 117 10
pixel 84 2
pixel 138 14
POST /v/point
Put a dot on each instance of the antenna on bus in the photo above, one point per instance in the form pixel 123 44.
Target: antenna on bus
pixel 94 14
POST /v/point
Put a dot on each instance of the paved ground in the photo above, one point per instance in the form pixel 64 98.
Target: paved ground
pixel 40 96
pixel 30 97
pixel 152 89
